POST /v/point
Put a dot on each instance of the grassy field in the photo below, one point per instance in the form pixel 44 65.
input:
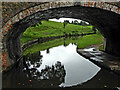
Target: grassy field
pixel 82 42
pixel 51 29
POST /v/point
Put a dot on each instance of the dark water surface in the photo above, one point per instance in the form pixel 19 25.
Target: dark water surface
pixel 59 66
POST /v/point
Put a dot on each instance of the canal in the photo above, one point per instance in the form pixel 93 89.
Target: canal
pixel 56 63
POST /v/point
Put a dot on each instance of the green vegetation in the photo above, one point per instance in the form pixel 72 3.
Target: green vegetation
pixel 101 47
pixel 82 42
pixel 51 29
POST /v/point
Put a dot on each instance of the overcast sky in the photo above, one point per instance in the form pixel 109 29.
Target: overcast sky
pixel 62 20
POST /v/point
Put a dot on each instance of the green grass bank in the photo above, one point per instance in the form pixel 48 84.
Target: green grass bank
pixel 53 29
pixel 82 42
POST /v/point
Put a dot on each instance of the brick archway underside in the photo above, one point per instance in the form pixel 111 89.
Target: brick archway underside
pixel 107 23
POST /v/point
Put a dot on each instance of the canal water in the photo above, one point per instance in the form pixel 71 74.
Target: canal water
pixel 58 66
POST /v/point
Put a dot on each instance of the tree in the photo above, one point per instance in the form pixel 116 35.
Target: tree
pixel 72 22
pixel 65 22
pixel 83 23
pixel 76 22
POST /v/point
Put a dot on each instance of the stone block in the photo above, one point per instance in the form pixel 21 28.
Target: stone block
pixel 37 8
pixel 31 10
pixel 21 15
pixel 9 22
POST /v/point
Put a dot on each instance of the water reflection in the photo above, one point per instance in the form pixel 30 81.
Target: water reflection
pixel 78 69
pixel 33 60
pixel 51 76
pixel 31 77
pixel 62 67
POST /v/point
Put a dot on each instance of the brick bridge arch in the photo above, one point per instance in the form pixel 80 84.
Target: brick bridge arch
pixel 103 15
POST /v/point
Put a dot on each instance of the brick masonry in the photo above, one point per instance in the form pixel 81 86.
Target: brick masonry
pixel 1 35
pixel 8 21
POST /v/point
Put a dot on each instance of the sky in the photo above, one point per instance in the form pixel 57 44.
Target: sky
pixel 62 20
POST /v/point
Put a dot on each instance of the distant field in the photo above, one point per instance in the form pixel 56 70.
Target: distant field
pixel 51 29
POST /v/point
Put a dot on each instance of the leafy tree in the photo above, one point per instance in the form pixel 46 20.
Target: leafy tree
pixel 83 23
pixel 76 22
pixel 66 22
pixel 72 22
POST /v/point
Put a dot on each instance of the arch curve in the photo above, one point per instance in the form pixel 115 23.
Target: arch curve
pixel 107 23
